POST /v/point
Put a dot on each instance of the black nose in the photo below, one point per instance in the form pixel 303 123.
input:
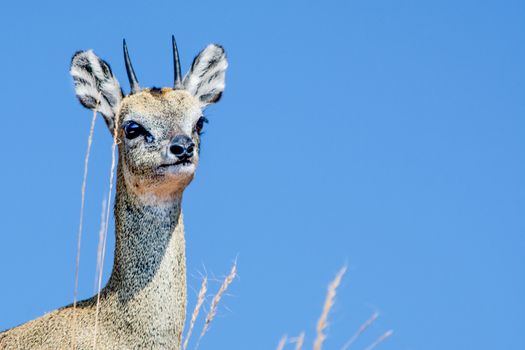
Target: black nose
pixel 182 147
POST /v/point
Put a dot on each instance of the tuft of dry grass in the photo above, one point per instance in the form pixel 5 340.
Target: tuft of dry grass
pixel 216 299
pixel 299 341
pixel 361 330
pixel 282 342
pixel 111 175
pixel 328 304
pixel 81 220
pixel 379 340
pixel 196 310
pixel 101 232
pixel 322 323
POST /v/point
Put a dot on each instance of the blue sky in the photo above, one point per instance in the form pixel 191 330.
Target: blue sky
pixel 387 135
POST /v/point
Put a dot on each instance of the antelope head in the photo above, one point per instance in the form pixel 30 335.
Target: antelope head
pixel 157 129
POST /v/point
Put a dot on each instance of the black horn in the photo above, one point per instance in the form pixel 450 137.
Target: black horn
pixel 133 82
pixel 176 64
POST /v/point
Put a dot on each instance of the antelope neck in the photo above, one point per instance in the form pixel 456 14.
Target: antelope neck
pixel 149 241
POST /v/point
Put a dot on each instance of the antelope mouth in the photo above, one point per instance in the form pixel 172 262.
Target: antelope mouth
pixel 184 166
pixel 179 162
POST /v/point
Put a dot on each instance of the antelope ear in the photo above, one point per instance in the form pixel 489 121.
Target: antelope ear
pixel 205 80
pixel 95 85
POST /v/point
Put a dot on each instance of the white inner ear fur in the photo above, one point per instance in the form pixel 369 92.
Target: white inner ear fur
pixel 205 80
pixel 96 85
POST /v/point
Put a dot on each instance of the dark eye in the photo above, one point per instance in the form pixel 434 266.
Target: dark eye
pixel 200 124
pixel 133 130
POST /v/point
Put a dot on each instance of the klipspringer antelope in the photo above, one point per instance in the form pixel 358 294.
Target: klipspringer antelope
pixel 143 305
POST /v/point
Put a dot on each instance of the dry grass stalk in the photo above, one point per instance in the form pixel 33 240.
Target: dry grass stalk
pixel 195 314
pixel 100 241
pixel 282 342
pixel 328 304
pixel 111 175
pixel 299 342
pixel 379 340
pixel 81 221
pixel 216 299
pixel 361 330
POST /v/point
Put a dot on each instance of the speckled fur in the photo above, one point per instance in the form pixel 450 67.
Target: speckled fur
pixel 143 306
